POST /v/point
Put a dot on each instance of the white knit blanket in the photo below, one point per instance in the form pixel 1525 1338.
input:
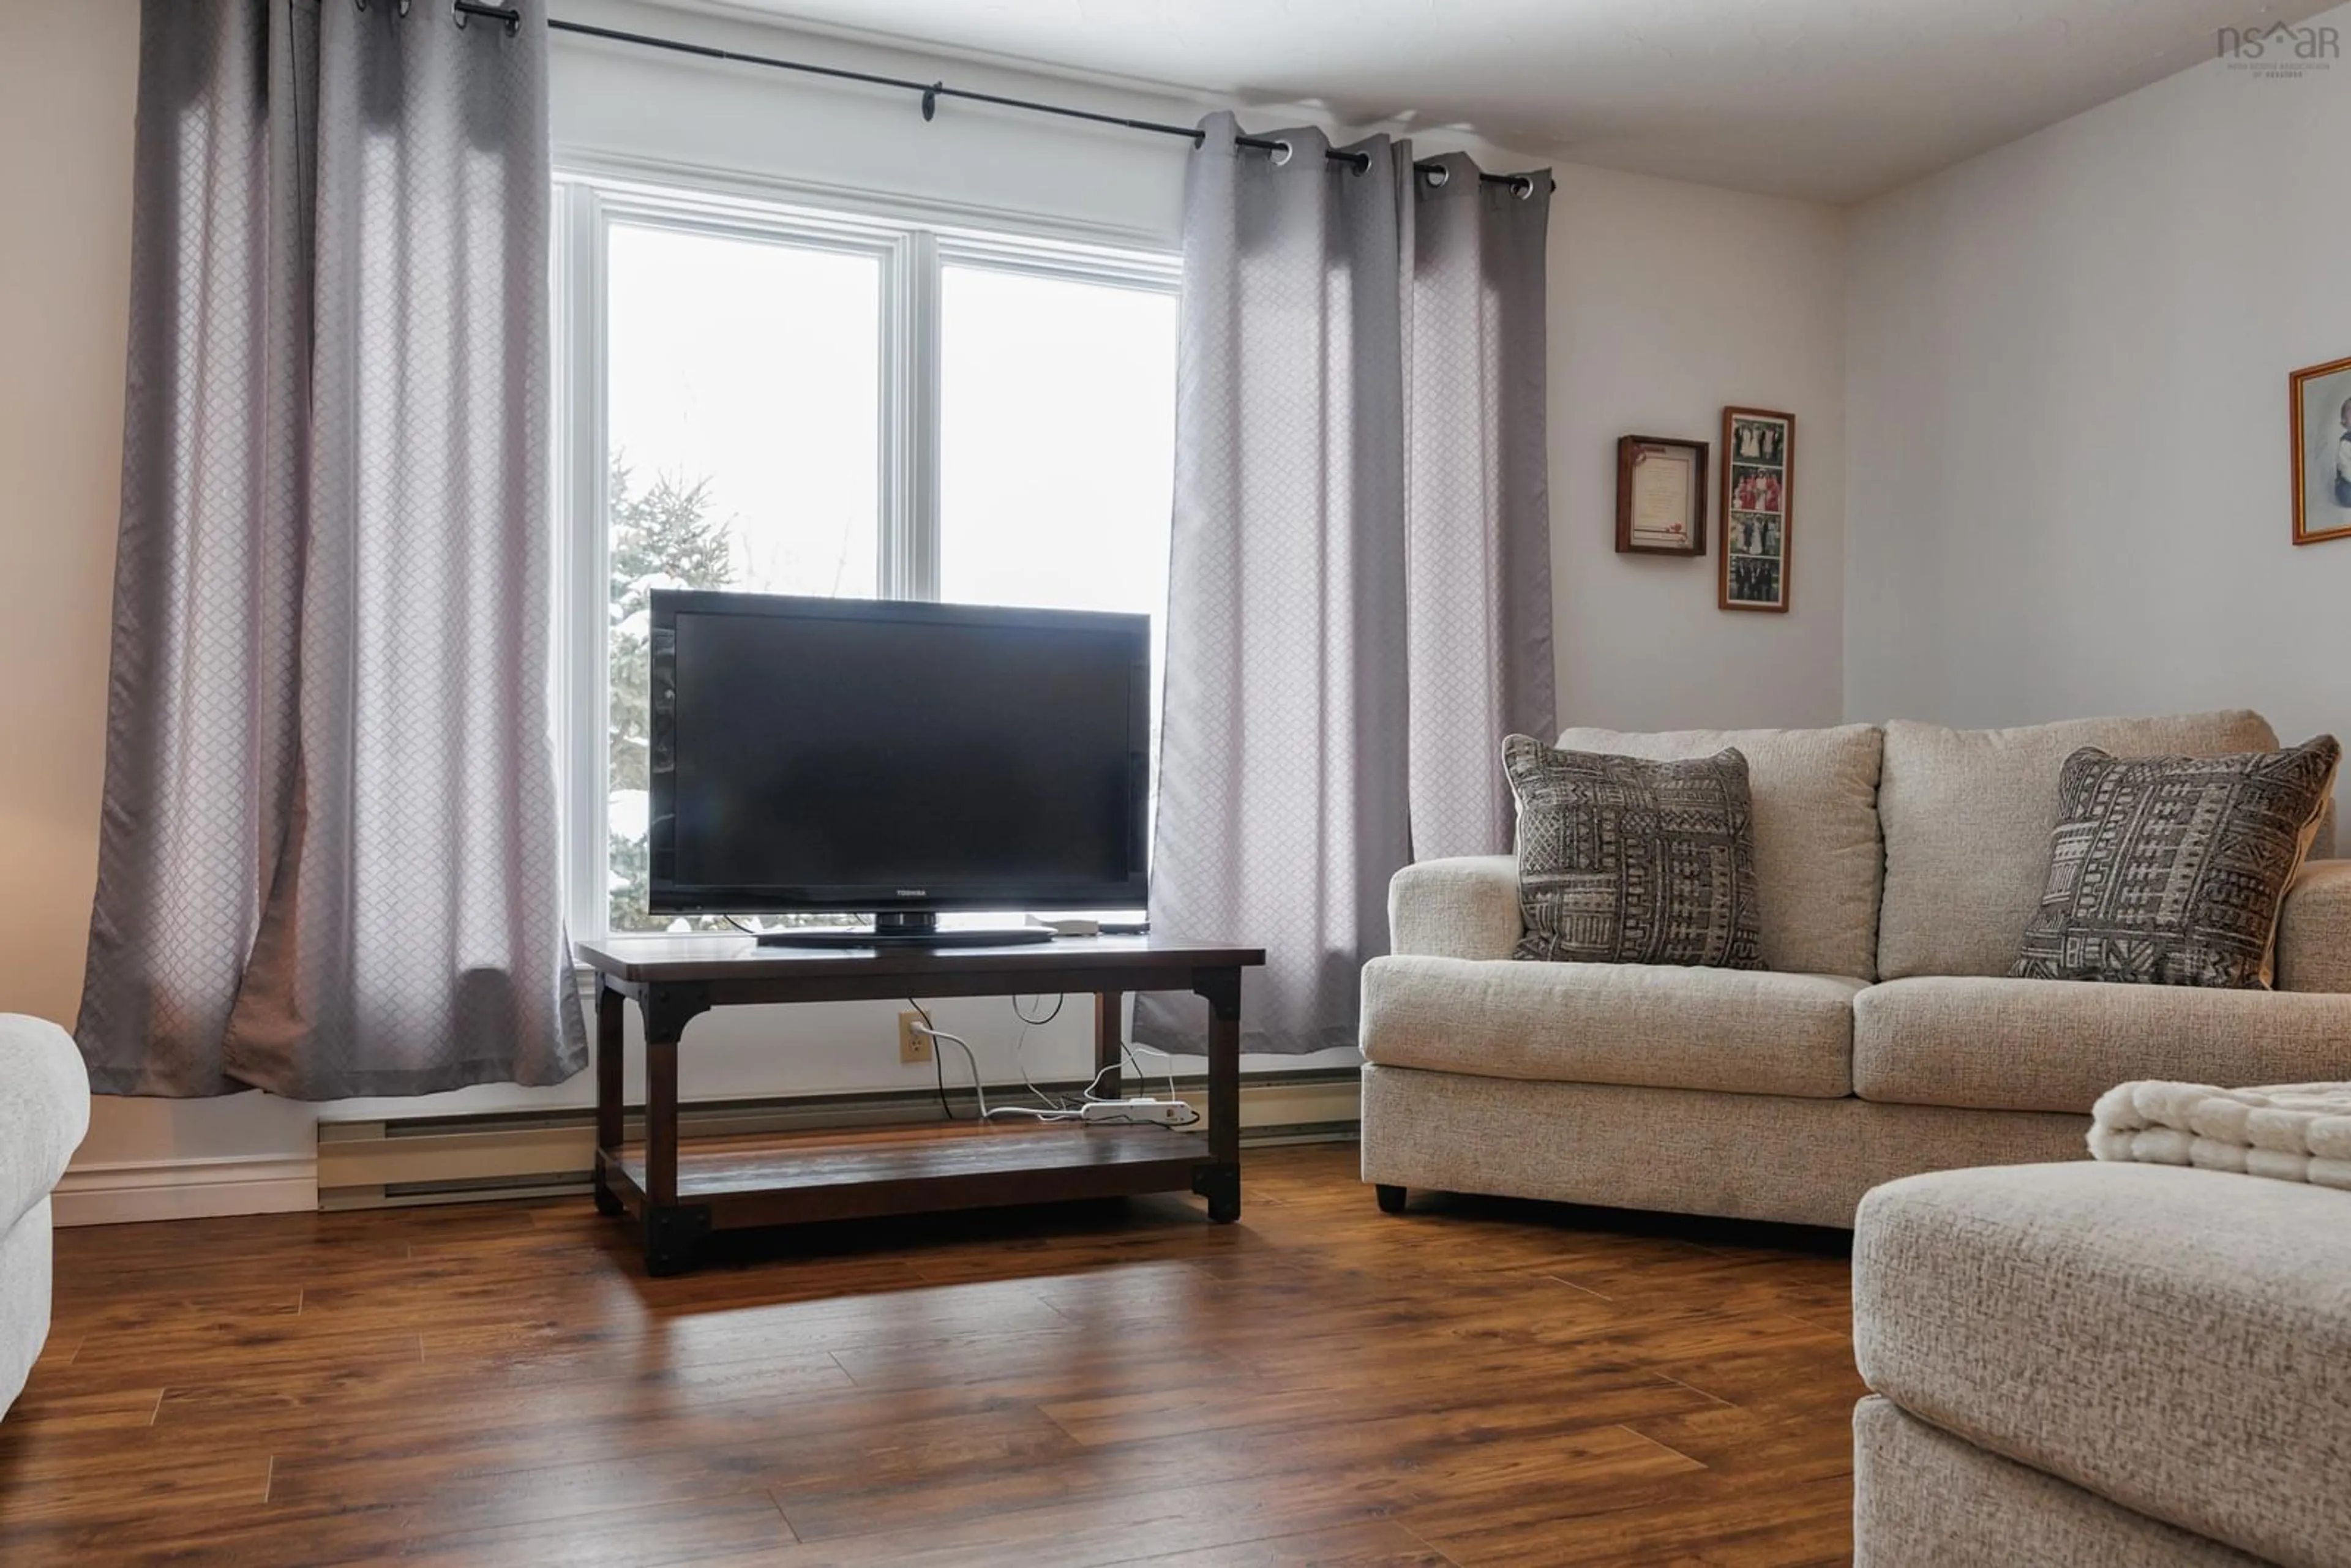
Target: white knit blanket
pixel 2290 1132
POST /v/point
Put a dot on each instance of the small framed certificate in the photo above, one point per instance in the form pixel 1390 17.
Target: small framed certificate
pixel 1660 497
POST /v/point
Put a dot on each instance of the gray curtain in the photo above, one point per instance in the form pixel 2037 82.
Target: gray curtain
pixel 1477 501
pixel 328 855
pixel 1359 598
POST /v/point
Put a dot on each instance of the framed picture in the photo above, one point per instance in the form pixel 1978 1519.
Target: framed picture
pixel 1758 472
pixel 2322 452
pixel 1660 497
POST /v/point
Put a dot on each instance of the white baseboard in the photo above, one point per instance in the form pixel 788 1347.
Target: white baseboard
pixel 136 1190
pixel 361 1160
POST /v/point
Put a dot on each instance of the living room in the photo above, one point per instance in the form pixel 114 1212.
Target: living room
pixel 1843 447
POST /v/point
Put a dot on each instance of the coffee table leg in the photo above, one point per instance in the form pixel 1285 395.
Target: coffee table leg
pixel 672 1230
pixel 608 1089
pixel 1220 1184
pixel 673 1237
pixel 1110 1037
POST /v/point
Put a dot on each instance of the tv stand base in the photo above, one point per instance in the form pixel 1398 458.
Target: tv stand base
pixel 681 1196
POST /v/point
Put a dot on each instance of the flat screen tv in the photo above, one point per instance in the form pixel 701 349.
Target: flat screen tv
pixel 894 759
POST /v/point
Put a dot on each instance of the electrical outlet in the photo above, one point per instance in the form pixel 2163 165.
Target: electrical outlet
pixel 914 1049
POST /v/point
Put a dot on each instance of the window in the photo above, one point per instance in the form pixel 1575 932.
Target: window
pixel 1057 410
pixel 741 385
pixel 786 401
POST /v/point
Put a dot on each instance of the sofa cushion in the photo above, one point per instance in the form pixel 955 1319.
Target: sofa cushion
pixel 2171 870
pixel 1629 860
pixel 1815 793
pixel 1968 814
pixel 1747 1031
pixel 2178 1342
pixel 2057 1045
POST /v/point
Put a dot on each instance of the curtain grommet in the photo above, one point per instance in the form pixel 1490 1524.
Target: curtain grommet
pixel 511 16
pixel 1282 155
pixel 1523 187
pixel 1437 176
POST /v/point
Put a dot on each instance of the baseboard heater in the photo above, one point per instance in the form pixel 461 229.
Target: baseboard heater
pixel 478 1158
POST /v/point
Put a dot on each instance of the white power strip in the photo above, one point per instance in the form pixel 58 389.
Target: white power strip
pixel 1166 1113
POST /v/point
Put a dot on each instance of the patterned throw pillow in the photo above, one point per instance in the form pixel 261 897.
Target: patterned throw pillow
pixel 2171 871
pixel 1625 860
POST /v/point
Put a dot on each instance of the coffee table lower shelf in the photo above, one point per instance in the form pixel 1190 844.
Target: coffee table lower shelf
pixel 792 1179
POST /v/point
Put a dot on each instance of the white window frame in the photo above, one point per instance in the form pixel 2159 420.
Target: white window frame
pixel 912 241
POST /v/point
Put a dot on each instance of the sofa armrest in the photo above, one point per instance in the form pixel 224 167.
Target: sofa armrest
pixel 2313 937
pixel 43 1109
pixel 1462 908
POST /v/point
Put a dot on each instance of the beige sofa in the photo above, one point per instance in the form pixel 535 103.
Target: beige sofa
pixel 1896 868
pixel 43 1112
pixel 2103 1366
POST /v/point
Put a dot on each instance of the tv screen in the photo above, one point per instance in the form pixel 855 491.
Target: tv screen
pixel 878 756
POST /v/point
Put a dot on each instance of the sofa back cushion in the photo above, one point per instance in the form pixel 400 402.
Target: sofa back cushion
pixel 1968 814
pixel 1817 856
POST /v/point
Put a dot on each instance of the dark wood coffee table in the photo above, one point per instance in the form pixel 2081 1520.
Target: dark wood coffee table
pixel 680 1194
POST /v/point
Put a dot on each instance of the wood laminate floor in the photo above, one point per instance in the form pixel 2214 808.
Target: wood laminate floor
pixel 1474 1381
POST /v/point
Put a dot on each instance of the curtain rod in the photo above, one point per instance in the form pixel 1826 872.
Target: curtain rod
pixel 931 91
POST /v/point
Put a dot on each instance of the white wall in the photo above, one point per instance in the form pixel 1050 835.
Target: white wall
pixel 1668 300
pixel 65 86
pixel 2066 393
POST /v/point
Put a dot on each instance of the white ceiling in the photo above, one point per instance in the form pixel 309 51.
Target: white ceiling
pixel 1833 99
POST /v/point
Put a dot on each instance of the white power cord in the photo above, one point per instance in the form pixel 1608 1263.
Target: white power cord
pixel 981 1089
pixel 1166 1057
pixel 1019 1053
pixel 1077 1114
